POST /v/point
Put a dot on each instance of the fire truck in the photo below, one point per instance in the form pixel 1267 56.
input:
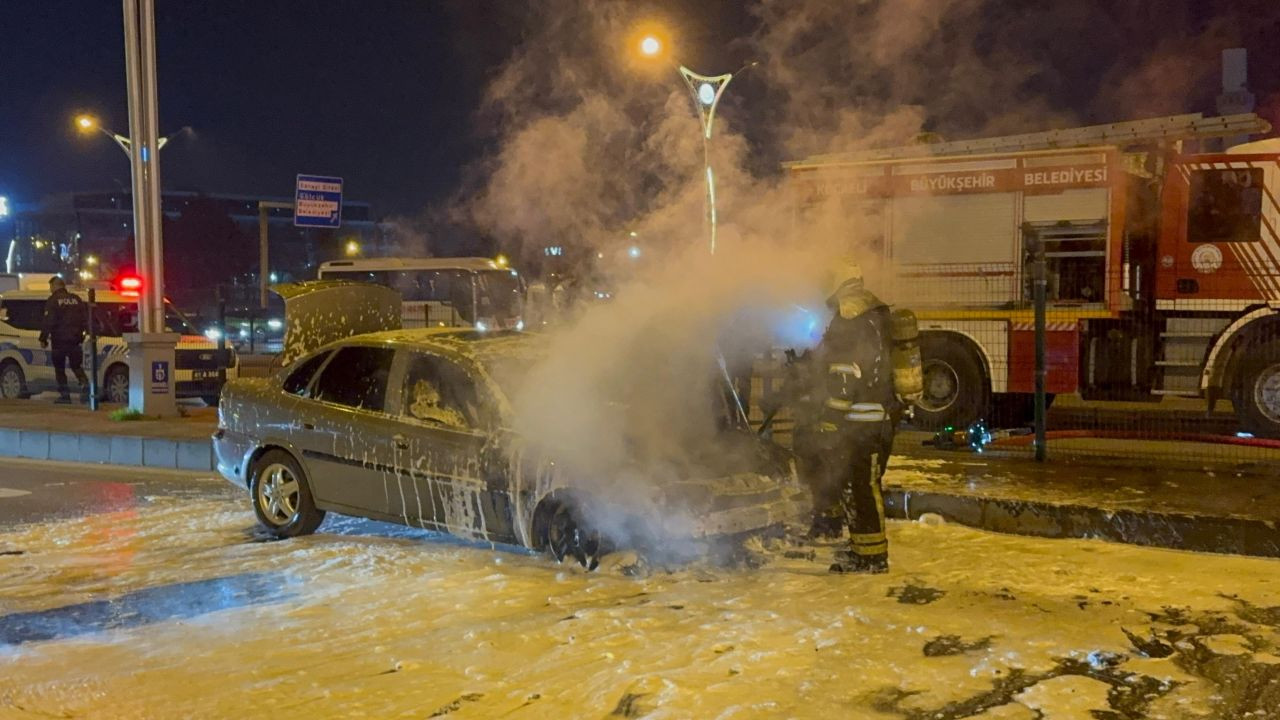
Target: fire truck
pixel 1163 265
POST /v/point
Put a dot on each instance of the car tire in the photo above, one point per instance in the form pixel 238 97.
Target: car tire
pixel 1259 405
pixel 566 534
pixel 281 495
pixel 13 383
pixel 115 385
pixel 955 386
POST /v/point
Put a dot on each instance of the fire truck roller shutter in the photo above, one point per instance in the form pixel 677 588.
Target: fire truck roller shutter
pixel 957 390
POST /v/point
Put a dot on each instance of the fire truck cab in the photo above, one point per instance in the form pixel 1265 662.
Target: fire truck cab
pixel 1163 266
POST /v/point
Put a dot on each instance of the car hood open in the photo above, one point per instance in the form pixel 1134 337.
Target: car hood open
pixel 318 312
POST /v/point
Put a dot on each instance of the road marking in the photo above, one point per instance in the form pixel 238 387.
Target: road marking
pixel 12 492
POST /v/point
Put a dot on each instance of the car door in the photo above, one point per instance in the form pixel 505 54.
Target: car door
pixel 458 478
pixel 346 435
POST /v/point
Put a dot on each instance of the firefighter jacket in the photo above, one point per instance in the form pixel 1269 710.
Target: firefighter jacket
pixel 65 317
pixel 855 362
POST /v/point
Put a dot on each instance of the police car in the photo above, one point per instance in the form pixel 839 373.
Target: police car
pixel 25 367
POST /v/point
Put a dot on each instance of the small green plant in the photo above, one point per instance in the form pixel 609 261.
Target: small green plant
pixel 125 414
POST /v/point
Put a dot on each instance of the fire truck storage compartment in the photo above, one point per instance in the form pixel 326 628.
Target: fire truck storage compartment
pixel 1117 360
pixel 1075 258
pixel 968 241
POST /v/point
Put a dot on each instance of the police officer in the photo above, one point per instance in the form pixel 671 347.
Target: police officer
pixel 845 431
pixel 64 327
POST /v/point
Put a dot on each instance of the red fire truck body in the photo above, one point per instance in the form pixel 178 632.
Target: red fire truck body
pixel 1163 266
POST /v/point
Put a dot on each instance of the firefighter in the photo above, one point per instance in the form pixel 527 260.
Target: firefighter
pixel 845 428
pixel 64 327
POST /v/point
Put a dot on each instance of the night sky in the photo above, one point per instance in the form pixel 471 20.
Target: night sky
pixel 383 93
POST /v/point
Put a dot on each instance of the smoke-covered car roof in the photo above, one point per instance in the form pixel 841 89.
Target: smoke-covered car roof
pixel 483 347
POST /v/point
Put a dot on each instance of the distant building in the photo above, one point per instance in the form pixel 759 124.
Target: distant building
pixel 92 233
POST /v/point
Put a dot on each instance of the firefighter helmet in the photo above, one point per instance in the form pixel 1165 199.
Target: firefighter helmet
pixel 843 274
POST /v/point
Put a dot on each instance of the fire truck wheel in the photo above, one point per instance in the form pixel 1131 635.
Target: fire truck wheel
pixel 955 388
pixel 1260 391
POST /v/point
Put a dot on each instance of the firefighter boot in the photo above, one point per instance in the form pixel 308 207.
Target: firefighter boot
pixel 64 397
pixel 848 562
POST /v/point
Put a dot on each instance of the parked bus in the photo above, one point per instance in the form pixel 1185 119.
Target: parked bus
pixel 443 292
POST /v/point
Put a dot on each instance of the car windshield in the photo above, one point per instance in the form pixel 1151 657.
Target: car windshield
pixel 114 319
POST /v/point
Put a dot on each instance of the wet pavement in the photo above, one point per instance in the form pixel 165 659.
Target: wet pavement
pixel 129 594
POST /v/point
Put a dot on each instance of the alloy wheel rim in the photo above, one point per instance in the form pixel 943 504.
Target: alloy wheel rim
pixel 118 388
pixel 10 383
pixel 278 494
pixel 1266 392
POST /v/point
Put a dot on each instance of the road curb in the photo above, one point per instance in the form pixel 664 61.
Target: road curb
pixel 135 450
pixel 1175 531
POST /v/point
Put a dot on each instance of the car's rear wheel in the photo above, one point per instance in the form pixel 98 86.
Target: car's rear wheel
pixel 568 535
pixel 282 497
pixel 13 384
pixel 115 384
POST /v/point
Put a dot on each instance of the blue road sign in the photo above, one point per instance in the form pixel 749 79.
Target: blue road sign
pixel 318 202
pixel 159 377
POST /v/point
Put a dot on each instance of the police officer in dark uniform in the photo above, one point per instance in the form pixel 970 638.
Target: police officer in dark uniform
pixel 65 317
pixel 845 430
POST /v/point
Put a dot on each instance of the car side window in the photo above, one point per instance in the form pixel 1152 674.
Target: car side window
pixel 356 377
pixel 24 314
pixel 439 392
pixel 300 378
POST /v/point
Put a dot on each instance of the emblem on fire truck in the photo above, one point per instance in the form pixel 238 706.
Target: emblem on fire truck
pixel 1206 258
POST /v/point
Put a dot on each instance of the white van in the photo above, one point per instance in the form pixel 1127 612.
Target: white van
pixel 25 367
pixel 443 292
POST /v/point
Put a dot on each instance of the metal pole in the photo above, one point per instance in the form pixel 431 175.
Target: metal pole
pixel 1040 285
pixel 222 340
pixel 93 349
pixel 141 234
pixel 263 270
pixel 153 287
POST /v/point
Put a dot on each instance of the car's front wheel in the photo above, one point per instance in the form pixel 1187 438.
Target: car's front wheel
pixel 568 535
pixel 282 497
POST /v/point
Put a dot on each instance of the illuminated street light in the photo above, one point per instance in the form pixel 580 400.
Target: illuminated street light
pixel 633 252
pixel 86 124
pixel 91 260
pixel 706 91
pixel 352 248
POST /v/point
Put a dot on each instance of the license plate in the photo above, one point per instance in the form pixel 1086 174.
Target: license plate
pixel 204 374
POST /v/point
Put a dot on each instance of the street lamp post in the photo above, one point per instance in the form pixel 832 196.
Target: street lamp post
pixel 89 123
pixel 706 91
pixel 151 349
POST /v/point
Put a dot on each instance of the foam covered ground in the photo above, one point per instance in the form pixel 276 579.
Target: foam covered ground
pixel 177 608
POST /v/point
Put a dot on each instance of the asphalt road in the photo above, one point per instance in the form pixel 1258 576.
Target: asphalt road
pixel 32 491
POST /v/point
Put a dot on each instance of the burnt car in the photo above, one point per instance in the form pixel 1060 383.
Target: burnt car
pixel 411 426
